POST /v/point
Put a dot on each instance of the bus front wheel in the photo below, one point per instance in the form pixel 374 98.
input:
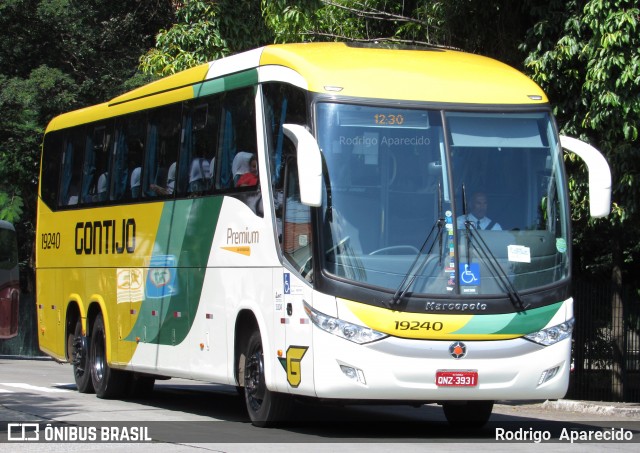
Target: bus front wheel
pixel 107 382
pixel 265 407
pixel 471 414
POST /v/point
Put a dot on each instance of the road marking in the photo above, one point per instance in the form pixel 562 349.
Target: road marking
pixel 30 387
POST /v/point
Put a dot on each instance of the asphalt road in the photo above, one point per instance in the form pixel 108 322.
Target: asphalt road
pixel 38 399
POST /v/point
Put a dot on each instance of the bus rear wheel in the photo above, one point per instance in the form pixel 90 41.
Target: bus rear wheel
pixel 471 414
pixel 107 382
pixel 265 407
pixel 79 355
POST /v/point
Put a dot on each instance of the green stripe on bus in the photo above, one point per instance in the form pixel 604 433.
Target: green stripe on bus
pixel 531 320
pixel 231 82
pixel 519 323
pixel 167 320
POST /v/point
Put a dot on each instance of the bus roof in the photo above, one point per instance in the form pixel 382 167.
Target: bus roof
pixel 354 70
pixel 420 74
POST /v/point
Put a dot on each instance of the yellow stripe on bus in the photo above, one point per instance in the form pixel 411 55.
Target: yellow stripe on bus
pixel 408 325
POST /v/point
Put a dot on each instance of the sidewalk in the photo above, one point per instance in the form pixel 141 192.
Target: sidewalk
pixel 631 410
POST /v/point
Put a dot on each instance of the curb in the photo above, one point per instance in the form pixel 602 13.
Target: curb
pixel 631 410
pixel 24 357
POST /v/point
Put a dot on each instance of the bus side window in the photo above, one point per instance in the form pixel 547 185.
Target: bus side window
pixel 237 133
pixel 129 146
pixel 283 104
pixel 51 166
pixel 96 156
pixel 198 146
pixel 296 243
pixel 161 151
pixel 89 177
pixel 95 184
pixel 72 162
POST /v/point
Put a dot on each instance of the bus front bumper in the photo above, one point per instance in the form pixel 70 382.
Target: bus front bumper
pixel 396 369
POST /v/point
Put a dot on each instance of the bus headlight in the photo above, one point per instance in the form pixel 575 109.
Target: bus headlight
pixel 551 335
pixel 348 331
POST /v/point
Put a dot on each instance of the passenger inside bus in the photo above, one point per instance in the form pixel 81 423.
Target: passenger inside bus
pixel 240 165
pixel 249 178
pixel 199 175
pixel 200 168
pixel 103 186
pixel 478 214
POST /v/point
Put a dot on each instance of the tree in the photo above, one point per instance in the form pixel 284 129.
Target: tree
pixel 207 30
pixel 586 55
pixel 492 27
pixel 204 31
pixel 26 104
pixel 57 55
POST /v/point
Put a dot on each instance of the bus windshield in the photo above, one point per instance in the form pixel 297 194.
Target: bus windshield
pixel 439 202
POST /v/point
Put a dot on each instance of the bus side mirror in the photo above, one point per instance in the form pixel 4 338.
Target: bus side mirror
pixel 309 163
pixel 599 175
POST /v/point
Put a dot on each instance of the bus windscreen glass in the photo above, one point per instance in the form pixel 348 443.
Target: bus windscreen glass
pixel 443 202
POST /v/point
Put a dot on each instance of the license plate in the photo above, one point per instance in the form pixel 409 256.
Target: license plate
pixel 445 378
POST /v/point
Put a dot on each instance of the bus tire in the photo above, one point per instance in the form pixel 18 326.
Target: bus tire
pixel 107 382
pixel 78 347
pixel 265 408
pixel 471 414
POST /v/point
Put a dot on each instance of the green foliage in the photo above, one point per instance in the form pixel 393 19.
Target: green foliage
pixel 586 55
pixel 495 30
pixel 10 207
pixel 28 104
pixel 206 31
pixel 55 56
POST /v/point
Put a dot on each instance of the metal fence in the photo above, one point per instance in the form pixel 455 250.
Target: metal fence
pixel 606 343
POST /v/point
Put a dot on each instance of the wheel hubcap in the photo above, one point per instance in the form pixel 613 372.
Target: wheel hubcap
pixel 79 355
pixel 98 362
pixel 254 380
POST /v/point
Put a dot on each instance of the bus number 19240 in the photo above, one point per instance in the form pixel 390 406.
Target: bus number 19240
pixel 417 325
pixel 50 241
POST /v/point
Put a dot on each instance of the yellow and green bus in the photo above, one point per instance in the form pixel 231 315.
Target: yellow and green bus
pixel 300 221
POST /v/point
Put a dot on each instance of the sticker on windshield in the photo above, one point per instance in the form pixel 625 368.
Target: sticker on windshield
pixel 561 245
pixel 469 274
pixel 519 253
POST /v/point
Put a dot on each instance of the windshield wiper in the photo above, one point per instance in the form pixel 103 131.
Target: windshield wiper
pixel 418 265
pixel 481 247
pixel 485 253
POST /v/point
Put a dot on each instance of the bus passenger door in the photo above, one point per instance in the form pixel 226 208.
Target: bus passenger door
pixel 294 374
pixel 296 356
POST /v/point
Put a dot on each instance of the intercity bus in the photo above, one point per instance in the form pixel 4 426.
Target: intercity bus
pixel 297 221
pixel 9 281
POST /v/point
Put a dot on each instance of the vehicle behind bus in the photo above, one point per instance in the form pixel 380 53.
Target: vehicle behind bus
pixel 9 281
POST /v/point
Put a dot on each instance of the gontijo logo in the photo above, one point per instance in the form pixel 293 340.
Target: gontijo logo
pixel 99 237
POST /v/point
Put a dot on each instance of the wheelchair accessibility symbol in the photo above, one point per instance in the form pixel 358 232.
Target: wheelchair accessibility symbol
pixel 470 274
